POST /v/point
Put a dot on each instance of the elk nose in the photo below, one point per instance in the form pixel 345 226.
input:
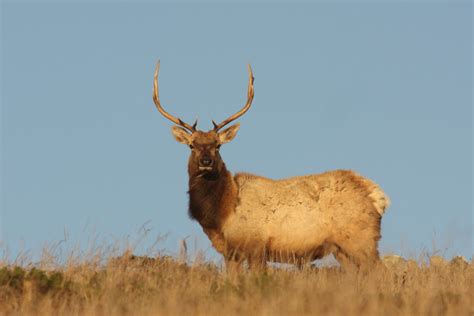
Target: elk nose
pixel 205 162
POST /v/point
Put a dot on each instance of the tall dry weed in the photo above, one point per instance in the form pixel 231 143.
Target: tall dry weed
pixel 130 285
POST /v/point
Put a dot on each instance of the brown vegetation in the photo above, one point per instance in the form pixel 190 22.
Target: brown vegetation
pixel 164 286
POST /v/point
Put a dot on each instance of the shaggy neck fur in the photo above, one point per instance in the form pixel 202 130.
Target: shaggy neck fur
pixel 211 196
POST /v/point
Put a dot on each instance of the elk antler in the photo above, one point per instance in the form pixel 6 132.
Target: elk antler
pixel 250 94
pixel 170 117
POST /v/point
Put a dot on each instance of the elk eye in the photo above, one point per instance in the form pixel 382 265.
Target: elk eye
pixel 191 146
pixel 218 147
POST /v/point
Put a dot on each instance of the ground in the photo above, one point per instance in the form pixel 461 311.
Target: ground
pixel 164 285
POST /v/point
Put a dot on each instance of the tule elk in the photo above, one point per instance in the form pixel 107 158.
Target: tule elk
pixel 294 220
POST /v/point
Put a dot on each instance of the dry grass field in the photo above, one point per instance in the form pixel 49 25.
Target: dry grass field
pixel 129 285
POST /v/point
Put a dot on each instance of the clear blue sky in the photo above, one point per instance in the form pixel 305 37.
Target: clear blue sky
pixel 383 89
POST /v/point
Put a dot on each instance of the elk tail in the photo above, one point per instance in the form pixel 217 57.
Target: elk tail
pixel 380 200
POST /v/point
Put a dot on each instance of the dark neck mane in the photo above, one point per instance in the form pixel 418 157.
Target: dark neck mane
pixel 209 198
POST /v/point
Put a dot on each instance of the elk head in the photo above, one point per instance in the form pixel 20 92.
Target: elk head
pixel 205 160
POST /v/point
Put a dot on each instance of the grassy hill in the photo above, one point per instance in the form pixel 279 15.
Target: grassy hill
pixel 164 286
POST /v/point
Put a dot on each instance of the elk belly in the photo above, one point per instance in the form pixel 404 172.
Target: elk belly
pixel 275 218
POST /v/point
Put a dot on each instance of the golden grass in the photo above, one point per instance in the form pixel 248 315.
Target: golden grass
pixel 131 285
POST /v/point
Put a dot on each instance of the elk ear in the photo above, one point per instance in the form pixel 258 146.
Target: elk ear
pixel 229 133
pixel 181 135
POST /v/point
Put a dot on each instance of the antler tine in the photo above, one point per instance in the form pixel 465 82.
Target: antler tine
pixel 156 99
pixel 250 94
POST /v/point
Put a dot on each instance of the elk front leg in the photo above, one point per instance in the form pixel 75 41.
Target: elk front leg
pixel 233 262
pixel 257 261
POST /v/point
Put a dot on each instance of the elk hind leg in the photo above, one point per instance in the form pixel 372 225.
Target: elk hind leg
pixel 360 254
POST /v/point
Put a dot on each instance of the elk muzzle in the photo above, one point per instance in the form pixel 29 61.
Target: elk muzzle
pixel 206 163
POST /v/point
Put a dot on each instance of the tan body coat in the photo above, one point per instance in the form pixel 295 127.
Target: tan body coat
pixel 301 218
